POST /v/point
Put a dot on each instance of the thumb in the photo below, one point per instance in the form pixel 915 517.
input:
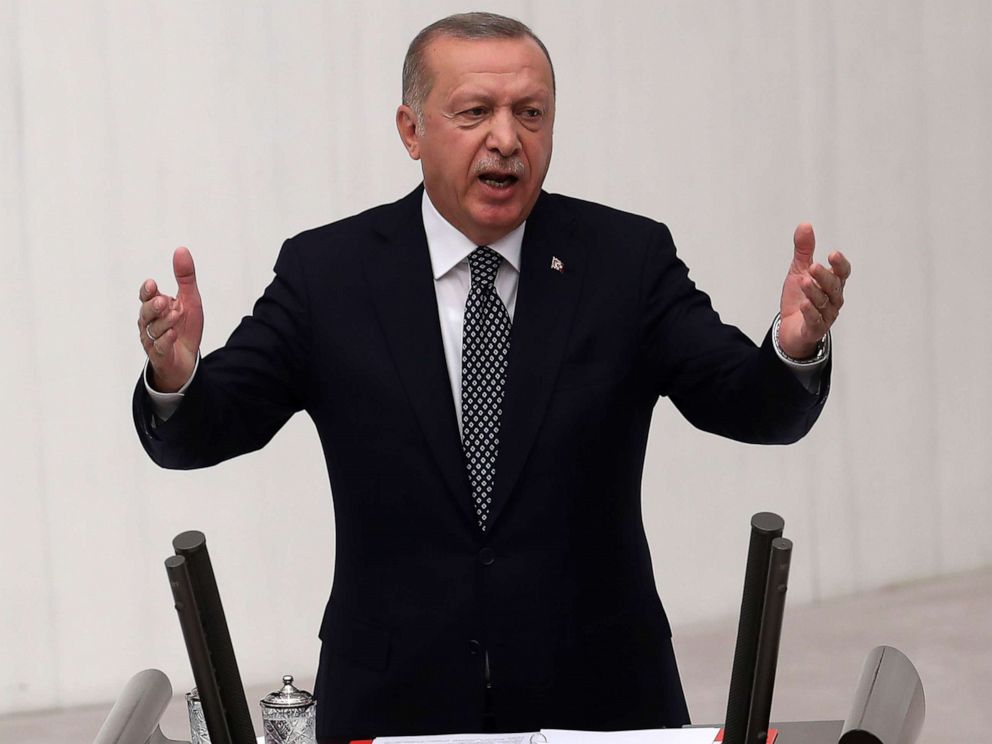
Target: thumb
pixel 805 243
pixel 182 267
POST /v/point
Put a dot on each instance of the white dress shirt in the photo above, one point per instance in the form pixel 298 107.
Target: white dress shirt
pixel 449 251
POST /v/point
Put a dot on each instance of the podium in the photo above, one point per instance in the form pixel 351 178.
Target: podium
pixel 888 708
pixel 808 732
pixel 791 732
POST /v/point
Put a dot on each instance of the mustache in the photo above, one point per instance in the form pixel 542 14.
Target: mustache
pixel 511 166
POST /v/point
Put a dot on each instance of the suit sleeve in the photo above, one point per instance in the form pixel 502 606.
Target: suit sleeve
pixel 245 391
pixel 714 374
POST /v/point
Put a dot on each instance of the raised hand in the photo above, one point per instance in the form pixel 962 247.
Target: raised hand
pixel 171 327
pixel 812 296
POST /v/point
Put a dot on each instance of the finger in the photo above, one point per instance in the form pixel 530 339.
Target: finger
pixel 147 343
pixel 164 343
pixel 815 321
pixel 829 283
pixel 157 328
pixel 817 296
pixel 159 347
pixel 182 267
pixel 804 243
pixel 153 309
pixel 147 290
pixel 840 265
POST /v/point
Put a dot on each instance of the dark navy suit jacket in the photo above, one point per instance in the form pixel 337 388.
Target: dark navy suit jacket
pixel 551 618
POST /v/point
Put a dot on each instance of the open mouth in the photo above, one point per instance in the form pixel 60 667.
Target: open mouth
pixel 498 180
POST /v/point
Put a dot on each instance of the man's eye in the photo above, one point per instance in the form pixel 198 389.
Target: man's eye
pixel 475 112
pixel 532 113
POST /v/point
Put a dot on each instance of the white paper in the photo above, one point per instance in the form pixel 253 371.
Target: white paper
pixel 562 736
pixel 458 739
pixel 649 736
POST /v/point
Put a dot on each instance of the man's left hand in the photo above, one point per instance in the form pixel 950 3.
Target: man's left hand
pixel 811 297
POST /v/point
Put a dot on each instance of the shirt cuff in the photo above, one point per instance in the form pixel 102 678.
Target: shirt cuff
pixel 807 371
pixel 166 404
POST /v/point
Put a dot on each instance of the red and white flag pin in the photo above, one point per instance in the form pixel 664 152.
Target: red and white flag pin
pixel 557 264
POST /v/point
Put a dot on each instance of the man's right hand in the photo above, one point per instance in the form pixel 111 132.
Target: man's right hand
pixel 171 327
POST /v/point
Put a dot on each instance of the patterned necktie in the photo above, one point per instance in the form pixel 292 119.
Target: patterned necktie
pixel 485 344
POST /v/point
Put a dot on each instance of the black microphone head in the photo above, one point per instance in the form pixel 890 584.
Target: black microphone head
pixel 782 544
pixel 188 542
pixel 767 523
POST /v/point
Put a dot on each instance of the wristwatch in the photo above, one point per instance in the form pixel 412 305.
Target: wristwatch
pixel 822 347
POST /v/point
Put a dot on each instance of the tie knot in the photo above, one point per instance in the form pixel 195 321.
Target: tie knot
pixel 484 263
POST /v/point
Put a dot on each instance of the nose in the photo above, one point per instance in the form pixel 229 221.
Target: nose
pixel 502 136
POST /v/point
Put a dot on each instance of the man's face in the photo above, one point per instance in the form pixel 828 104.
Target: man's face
pixel 485 144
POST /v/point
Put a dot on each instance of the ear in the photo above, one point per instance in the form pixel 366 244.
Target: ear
pixel 406 125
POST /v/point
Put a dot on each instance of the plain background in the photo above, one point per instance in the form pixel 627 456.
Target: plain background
pixel 128 128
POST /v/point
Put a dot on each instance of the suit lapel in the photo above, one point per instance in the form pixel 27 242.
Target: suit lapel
pixel 546 302
pixel 398 271
pixel 399 274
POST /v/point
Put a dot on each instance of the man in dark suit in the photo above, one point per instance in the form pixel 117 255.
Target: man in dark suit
pixel 481 360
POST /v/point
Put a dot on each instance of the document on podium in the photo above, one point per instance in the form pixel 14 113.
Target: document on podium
pixel 457 739
pixel 562 736
pixel 648 736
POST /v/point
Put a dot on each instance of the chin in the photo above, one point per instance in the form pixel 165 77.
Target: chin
pixel 504 217
pixel 494 229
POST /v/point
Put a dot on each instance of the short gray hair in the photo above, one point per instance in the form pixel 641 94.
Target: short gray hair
pixel 417 77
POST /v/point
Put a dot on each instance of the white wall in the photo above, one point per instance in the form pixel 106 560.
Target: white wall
pixel 127 128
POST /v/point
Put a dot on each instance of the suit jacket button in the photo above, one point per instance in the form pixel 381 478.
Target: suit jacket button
pixel 474 647
pixel 487 557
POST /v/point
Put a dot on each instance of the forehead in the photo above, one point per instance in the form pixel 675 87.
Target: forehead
pixel 512 64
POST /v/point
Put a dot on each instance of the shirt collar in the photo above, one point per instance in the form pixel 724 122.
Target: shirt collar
pixel 448 247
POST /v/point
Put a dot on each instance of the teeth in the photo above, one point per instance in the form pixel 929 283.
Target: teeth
pixel 495 183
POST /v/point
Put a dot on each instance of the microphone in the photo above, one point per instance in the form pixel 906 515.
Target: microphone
pixel 135 716
pixel 766 655
pixel 889 705
pixel 765 528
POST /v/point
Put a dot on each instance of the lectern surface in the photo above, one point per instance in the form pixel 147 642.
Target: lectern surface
pixel 808 732
pixel 792 732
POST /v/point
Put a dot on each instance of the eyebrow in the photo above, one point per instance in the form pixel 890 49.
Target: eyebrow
pixel 542 96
